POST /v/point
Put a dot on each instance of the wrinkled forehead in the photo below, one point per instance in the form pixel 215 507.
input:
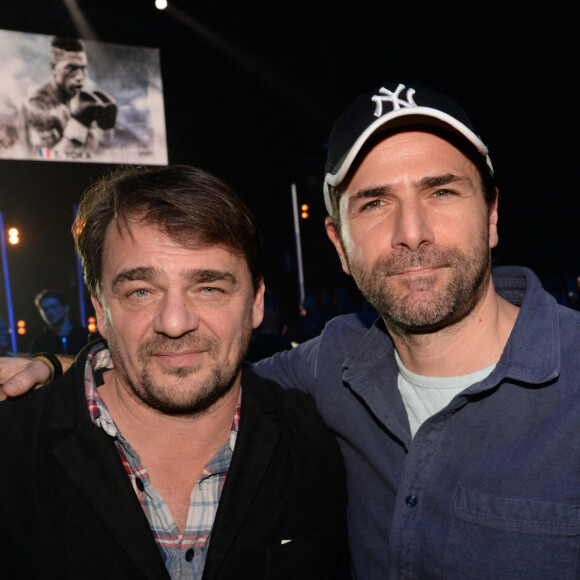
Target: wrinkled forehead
pixel 186 235
pixel 439 144
pixel 147 251
pixel 137 232
pixel 421 142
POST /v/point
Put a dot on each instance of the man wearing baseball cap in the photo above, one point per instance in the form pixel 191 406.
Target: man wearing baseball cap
pixel 456 407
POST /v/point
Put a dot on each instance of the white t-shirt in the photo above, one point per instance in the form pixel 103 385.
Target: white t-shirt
pixel 425 396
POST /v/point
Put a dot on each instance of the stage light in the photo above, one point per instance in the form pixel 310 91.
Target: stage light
pixel 161 4
pixel 13 236
pixel 305 208
pixel 92 325
pixel 21 327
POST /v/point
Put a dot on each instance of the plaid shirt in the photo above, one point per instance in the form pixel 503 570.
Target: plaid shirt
pixel 183 553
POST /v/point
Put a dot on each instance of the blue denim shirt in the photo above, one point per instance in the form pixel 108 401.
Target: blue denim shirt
pixel 489 487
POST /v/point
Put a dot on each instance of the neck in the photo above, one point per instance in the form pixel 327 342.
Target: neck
pixel 147 428
pixel 174 450
pixel 475 342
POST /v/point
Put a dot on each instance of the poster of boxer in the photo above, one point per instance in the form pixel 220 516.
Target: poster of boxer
pixel 68 99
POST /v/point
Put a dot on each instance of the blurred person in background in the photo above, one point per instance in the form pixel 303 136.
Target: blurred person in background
pixel 61 335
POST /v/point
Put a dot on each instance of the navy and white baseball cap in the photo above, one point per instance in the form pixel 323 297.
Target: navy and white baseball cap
pixel 390 106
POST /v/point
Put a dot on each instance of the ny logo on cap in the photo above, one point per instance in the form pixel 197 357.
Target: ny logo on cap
pixel 393 97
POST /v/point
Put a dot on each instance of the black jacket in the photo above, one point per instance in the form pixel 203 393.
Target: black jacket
pixel 68 509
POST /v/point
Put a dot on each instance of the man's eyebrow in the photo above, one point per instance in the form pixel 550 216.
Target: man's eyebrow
pixel 440 180
pixel 208 276
pixel 147 274
pixel 369 193
pixel 142 273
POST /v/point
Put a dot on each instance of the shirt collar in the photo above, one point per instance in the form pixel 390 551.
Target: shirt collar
pixel 532 352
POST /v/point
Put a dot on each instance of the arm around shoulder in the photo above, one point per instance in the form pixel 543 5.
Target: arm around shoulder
pixel 18 375
pixel 291 369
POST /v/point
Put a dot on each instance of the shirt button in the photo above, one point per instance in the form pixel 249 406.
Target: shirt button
pixel 411 500
pixel 139 484
pixel 189 555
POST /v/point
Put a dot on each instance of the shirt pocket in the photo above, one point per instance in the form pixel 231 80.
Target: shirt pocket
pixel 499 537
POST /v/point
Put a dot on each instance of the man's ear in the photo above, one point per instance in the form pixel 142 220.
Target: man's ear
pixel 258 310
pixel 99 314
pixel 334 235
pixel 493 219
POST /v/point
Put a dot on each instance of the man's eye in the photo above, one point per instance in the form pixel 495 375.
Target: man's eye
pixel 141 293
pixel 442 193
pixel 374 204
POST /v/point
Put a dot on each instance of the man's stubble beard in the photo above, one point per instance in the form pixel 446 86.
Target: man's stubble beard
pixel 412 306
pixel 181 402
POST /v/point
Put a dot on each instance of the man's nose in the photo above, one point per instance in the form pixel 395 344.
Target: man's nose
pixel 176 316
pixel 412 226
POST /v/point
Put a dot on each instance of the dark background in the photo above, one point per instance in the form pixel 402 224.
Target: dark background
pixel 252 89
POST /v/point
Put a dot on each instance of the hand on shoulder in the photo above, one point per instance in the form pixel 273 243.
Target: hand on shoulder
pixel 18 375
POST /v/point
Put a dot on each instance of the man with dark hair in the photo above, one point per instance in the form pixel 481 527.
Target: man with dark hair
pixel 156 454
pixel 457 406
pixel 60 114
pixel 62 336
